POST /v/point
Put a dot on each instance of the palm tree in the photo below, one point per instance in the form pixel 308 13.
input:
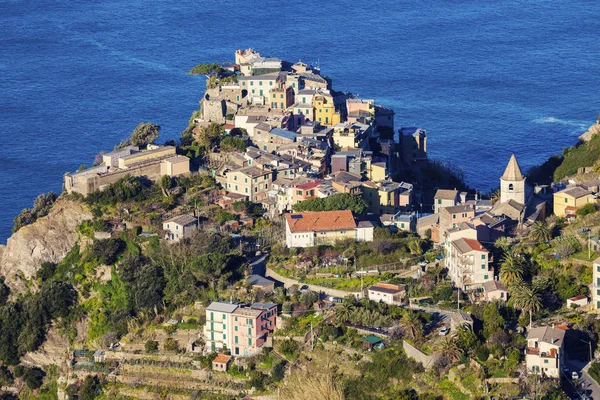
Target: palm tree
pixel 527 299
pixel 511 269
pixel 343 313
pixel 541 231
pixel 448 347
pixel 411 324
pixel 414 246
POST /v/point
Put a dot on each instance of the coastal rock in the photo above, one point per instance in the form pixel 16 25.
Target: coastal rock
pixel 48 239
pixel 593 130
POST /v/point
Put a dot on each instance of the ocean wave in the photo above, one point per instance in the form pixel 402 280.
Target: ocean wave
pixel 554 120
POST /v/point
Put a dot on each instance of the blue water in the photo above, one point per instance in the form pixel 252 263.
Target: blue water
pixel 484 78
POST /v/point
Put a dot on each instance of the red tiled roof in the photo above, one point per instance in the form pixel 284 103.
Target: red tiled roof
pixel 321 221
pixel 222 358
pixel 475 245
pixel 580 297
pixel 309 185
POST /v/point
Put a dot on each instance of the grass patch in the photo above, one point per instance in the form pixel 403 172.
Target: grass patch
pixel 451 390
pixel 583 255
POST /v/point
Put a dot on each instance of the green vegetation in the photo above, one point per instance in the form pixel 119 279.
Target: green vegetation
pixel 205 69
pixel 594 371
pixel 144 133
pixel 339 201
pixel 41 207
pixel 584 154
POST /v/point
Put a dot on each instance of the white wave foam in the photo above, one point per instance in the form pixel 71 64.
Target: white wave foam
pixel 566 122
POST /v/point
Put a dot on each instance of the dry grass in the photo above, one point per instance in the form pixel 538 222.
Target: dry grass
pixel 311 385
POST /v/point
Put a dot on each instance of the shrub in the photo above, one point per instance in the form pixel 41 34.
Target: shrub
pixel 171 344
pixel 288 347
pixel 278 371
pixel 339 201
pixel 589 208
pixel 151 346
pixel 46 271
pixel 105 251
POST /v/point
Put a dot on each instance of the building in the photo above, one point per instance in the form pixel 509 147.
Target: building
pixel 249 181
pixel 260 283
pixel 387 293
pixel 512 183
pixel 413 142
pixel 325 227
pixel 180 227
pixel 544 351
pixel 152 164
pixel 221 362
pixel 468 264
pixel 242 330
pixel 324 107
pixel 453 216
pixel 495 291
pixel 219 324
pixel 386 197
pixel 595 289
pixel 349 136
pixel 444 198
pixel 577 301
pixel 271 139
pixel 569 200
pixel 371 342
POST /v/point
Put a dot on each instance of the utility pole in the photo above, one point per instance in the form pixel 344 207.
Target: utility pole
pixel 589 244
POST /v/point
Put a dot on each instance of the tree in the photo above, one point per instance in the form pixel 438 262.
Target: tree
pixel 209 136
pixel 151 346
pixel 589 208
pixel 338 201
pixel 33 377
pixel 46 271
pixel 492 320
pixel 166 183
pixel 541 231
pixel 4 291
pixel 527 299
pixel 415 248
pixel 511 269
pixel 288 347
pixel 448 348
pixel 308 298
pixel 343 312
pixel 90 389
pixel 278 371
pixel 171 344
pixel 411 324
pixel 144 133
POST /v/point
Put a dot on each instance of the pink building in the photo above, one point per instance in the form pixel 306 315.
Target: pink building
pixel 251 327
pixel 304 191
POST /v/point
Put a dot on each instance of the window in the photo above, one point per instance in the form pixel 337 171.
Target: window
pixel 245 180
pixel 249 341
pixel 260 83
pixel 246 190
pixel 224 336
pixel 236 339
pixel 252 91
pixel 307 112
pixel 482 266
pixel 224 316
pixel 236 187
pixel 566 200
pixel 545 361
pixel 281 96
pixel 235 177
pixel 212 316
pixel 483 256
pixel 261 92
pixel 271 83
pixel 485 277
pixel 453 216
pixel 510 187
pixel 249 331
pixel 252 84
pixel 439 201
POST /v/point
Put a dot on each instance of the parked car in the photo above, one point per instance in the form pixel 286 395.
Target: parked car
pixel 574 375
pixel 444 331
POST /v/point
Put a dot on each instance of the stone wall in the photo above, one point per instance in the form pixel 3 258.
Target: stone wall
pixel 417 354
pixel 287 282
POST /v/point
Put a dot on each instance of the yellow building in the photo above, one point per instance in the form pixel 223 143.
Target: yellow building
pixel 351 135
pixel 377 172
pixel 325 110
pixel 569 200
pixel 385 197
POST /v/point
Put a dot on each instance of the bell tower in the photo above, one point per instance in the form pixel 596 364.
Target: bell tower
pixel 512 183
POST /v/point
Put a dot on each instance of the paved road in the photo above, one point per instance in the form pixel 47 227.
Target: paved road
pixel 259 265
pixel 585 384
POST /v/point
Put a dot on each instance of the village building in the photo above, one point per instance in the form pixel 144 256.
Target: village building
pixel 413 142
pixel 152 164
pixel 595 287
pixel 544 351
pixel 249 181
pixel 221 362
pixel 387 293
pixel 445 198
pixel 271 139
pixel 180 227
pixel 325 111
pixel 386 197
pixel 577 301
pixel 260 283
pixel 243 330
pixel 571 199
pixel 350 136
pixel 326 227
pixel 468 263
pixel 495 290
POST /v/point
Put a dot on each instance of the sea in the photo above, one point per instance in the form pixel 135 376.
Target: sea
pixel 484 78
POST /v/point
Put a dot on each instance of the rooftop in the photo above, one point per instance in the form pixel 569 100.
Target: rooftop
pixel 283 133
pixel 263 306
pixel 252 171
pixel 222 359
pixel 547 334
pixel 221 307
pixel 467 245
pixel 321 221
pixel 490 286
pixel 257 280
pixel 183 220
pixel 512 171
pixel 446 194
pixel 576 192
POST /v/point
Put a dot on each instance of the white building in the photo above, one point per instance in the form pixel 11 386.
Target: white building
pixel 544 351
pixel 512 183
pixel 596 284
pixel 218 325
pixel 387 293
pixel 180 227
pixel 468 264
pixel 325 227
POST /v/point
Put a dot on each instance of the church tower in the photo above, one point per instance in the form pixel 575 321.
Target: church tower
pixel 512 183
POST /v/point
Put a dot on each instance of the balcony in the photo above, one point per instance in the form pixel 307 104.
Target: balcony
pixel 532 351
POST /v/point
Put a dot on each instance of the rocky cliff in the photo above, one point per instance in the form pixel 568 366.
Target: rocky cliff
pixel 48 239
